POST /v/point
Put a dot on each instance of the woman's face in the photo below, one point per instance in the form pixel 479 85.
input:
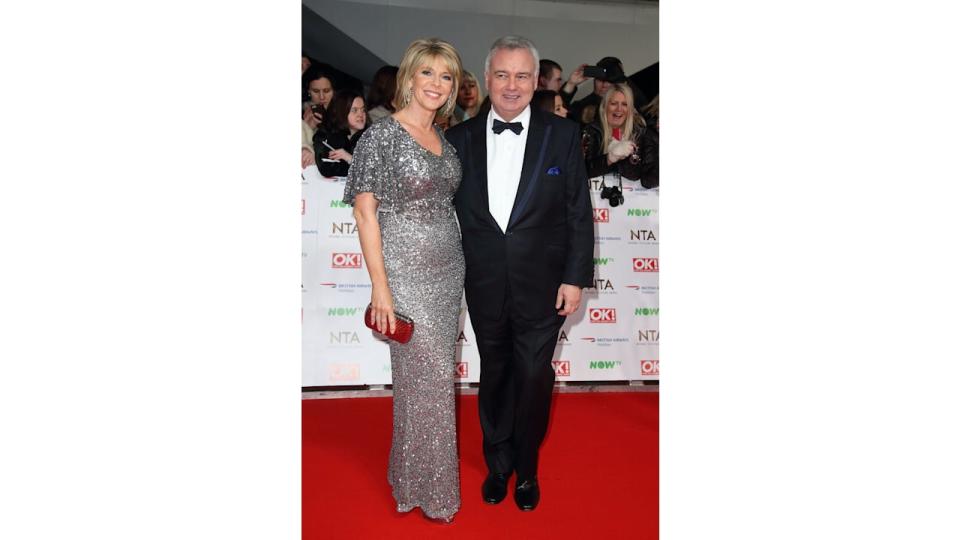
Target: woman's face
pixel 357 117
pixel 432 84
pixel 467 96
pixel 321 92
pixel 617 110
pixel 558 108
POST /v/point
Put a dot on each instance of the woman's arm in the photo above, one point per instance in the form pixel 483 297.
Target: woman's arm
pixel 371 243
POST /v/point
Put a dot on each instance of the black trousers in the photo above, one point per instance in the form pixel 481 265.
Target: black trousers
pixel 516 386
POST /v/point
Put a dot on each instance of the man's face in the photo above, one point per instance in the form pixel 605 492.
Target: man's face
pixel 600 87
pixel 511 81
pixel 551 81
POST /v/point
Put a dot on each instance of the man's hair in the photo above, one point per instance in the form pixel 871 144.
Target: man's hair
pixel 512 43
pixel 547 66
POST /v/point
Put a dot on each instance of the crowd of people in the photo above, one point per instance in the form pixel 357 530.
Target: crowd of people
pixel 619 125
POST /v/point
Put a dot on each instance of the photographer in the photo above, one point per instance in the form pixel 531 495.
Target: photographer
pixel 611 143
pixel 607 72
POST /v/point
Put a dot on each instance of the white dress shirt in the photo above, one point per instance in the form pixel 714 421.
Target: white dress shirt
pixel 504 164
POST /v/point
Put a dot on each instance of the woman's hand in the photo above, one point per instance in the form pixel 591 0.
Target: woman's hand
pixel 382 312
pixel 340 153
pixel 311 118
pixel 618 150
pixel 307 158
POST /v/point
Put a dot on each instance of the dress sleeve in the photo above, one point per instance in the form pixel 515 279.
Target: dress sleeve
pixel 370 170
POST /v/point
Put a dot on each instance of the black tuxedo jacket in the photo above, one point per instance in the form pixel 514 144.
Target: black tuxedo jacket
pixel 549 238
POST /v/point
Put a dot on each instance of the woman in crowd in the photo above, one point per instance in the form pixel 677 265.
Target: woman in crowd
pixel 401 185
pixel 650 145
pixel 380 97
pixel 549 101
pixel 345 122
pixel 610 143
pixel 468 99
pixel 320 90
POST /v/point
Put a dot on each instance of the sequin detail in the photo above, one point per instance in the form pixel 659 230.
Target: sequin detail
pixel 425 270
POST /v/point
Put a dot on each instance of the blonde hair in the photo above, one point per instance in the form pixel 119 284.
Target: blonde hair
pixel 418 54
pixel 627 130
pixel 467 76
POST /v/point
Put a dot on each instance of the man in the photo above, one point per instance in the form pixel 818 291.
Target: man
pixel 551 78
pixel 527 227
pixel 585 110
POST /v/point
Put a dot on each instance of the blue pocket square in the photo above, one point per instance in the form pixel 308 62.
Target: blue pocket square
pixel 553 171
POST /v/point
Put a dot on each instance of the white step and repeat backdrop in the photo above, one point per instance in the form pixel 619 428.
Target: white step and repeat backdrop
pixel 615 336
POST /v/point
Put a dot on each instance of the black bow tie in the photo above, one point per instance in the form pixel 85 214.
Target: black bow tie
pixel 499 126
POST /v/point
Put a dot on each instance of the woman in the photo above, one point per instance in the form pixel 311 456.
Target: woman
pixel 346 121
pixel 320 90
pixel 610 144
pixel 549 101
pixel 380 97
pixel 468 99
pixel 401 185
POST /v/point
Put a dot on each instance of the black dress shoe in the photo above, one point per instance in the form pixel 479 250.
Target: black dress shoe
pixel 527 494
pixel 495 487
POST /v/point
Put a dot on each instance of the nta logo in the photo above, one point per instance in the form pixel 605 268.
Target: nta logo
pixel 347 260
pixel 603 315
pixel 344 227
pixel 563 338
pixel 643 234
pixel 640 212
pixel 461 370
pixel 561 368
pixel 647 312
pixel 649 367
pixel 601 215
pixel 341 338
pixel 653 336
pixel 603 284
pixel 646 264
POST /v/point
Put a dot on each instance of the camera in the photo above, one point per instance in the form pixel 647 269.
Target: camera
pixel 596 72
pixel 612 194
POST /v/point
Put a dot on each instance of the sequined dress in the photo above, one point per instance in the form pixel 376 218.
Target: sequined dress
pixel 425 271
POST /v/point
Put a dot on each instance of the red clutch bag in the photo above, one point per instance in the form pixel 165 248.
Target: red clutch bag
pixel 404 326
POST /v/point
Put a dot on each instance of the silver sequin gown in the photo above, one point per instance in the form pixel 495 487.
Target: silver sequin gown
pixel 425 271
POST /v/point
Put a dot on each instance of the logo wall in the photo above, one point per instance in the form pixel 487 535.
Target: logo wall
pixel 613 336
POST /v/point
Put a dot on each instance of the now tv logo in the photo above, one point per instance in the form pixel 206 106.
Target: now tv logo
pixel 603 315
pixel 640 212
pixel 347 260
pixel 646 264
pixel 601 215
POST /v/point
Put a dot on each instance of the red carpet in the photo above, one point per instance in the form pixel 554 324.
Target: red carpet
pixel 598 473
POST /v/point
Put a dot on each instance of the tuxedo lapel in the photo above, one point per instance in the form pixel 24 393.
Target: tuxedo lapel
pixel 477 141
pixel 533 156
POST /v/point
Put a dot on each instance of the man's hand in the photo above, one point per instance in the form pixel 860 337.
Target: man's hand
pixel 575 79
pixel 568 297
